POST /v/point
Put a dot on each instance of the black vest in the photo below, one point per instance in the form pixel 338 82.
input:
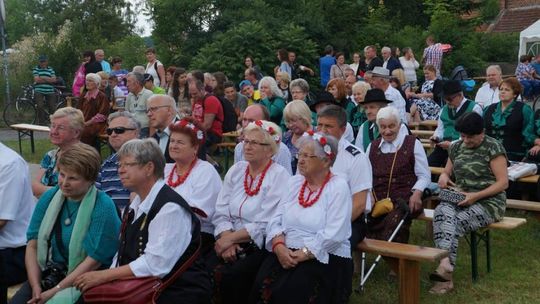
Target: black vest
pixel 135 236
pixel 510 135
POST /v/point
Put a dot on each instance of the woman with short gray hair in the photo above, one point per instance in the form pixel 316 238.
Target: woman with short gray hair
pixel 309 234
pixel 95 107
pixel 272 98
pixel 145 250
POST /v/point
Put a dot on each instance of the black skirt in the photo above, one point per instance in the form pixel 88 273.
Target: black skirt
pixel 309 282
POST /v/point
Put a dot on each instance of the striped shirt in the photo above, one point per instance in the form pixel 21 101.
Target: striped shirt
pixel 43 88
pixel 108 181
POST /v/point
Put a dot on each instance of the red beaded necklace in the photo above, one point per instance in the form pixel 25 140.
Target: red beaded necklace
pixel 247 188
pixel 180 179
pixel 309 203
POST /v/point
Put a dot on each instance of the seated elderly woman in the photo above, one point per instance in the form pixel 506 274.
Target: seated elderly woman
pixel 95 107
pixel 160 232
pixel 297 116
pixel 74 229
pixel 251 192
pixel 358 115
pixel 400 172
pixel 478 164
pixel 272 98
pixel 66 128
pixel 511 121
pixel 309 234
pixel 196 180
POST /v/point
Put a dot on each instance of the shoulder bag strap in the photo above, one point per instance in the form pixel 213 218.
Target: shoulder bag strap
pixel 390 178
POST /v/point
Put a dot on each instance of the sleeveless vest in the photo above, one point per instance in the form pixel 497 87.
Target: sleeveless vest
pixel 449 116
pixel 403 177
pixel 369 134
pixel 511 134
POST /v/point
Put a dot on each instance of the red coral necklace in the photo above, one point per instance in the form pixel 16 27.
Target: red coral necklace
pixel 307 203
pixel 179 179
pixel 247 188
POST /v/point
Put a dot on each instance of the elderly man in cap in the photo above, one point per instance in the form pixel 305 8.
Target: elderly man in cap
pixel 247 89
pixel 44 78
pixel 381 80
pixel 369 131
pixel 489 91
pixel 456 105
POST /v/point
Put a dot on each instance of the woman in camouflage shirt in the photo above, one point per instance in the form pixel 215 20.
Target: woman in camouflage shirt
pixel 478 164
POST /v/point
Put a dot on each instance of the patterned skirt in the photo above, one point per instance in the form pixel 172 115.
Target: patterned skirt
pixel 428 109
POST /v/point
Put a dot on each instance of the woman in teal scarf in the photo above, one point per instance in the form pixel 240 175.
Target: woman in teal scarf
pixel 74 226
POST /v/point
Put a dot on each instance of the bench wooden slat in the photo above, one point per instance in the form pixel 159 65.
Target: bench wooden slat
pixel 523 205
pixel 507 223
pixel 30 127
pixel 402 251
pixel 533 179
pixel 422 133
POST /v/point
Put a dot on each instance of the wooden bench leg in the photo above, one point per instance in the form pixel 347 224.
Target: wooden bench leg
pixel 474 256
pixel 409 281
pixel 488 250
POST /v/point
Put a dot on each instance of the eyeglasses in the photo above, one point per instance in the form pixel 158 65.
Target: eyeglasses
pixel 59 128
pixel 254 142
pixel 118 130
pixel 122 165
pixel 305 155
pixel 153 109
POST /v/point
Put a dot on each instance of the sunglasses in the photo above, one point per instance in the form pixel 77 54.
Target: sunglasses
pixel 119 130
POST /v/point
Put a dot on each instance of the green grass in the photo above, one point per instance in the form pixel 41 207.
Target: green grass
pixel 515 262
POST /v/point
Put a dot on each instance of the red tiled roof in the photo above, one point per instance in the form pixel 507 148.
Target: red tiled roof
pixel 516 20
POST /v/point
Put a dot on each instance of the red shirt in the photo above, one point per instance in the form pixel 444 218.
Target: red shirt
pixel 212 105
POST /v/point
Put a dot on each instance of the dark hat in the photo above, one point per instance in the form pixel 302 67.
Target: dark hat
pixel 375 95
pixel 148 77
pixel 323 97
pixel 43 58
pixel 451 87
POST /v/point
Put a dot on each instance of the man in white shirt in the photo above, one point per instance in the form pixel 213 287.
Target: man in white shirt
pixel 489 91
pixel 380 80
pixel 259 112
pixel 16 206
pixel 161 111
pixel 445 134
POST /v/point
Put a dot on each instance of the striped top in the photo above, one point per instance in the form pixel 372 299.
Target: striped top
pixel 43 88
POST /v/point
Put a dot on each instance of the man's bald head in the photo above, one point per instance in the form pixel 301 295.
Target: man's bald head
pixel 253 113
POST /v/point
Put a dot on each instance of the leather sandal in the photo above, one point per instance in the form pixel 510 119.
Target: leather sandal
pixel 441 275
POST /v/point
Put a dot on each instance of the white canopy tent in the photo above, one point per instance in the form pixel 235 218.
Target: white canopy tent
pixel 529 40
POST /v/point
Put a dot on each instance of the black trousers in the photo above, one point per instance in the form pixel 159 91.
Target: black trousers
pixel 12 269
pixel 438 157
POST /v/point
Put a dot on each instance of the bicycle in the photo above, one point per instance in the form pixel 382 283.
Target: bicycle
pixel 24 108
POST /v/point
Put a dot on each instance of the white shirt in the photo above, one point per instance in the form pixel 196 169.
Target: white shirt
pixel 354 66
pixel 439 132
pixel 354 166
pixel 359 142
pixel 151 69
pixel 324 227
pixel 169 235
pixel 200 190
pixel 349 133
pixel 236 210
pixel 16 200
pixel 421 167
pixel 409 67
pixel 486 95
pixel 282 157
pixel 397 102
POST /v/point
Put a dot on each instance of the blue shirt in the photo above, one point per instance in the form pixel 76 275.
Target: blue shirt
pixel 48 163
pixel 325 64
pixel 108 181
pixel 101 240
pixel 536 67
pixel 105 67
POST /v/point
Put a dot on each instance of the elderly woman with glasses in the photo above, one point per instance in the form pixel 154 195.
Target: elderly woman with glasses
pixel 74 229
pixel 196 180
pixel 297 116
pixel 309 234
pixel 66 127
pixel 95 107
pixel 160 233
pixel 251 192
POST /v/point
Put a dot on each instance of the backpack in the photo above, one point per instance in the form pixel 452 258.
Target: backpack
pixel 230 119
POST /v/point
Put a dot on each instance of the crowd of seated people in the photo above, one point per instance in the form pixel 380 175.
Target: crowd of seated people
pixel 308 171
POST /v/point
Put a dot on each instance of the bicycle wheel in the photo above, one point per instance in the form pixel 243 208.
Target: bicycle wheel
pixel 20 111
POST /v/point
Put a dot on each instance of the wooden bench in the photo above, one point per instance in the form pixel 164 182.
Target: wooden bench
pixel 523 205
pixel 481 235
pixel 28 130
pixel 422 133
pixel 533 179
pixel 408 267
